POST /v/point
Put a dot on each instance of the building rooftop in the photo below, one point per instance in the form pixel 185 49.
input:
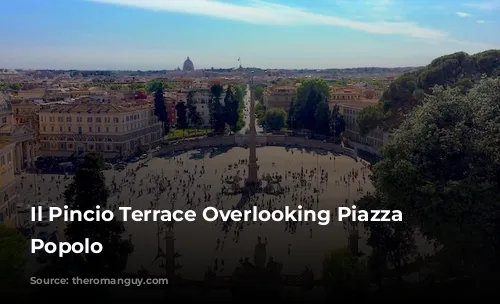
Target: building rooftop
pixel 360 104
pixel 93 107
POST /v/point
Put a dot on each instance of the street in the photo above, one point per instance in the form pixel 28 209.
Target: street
pixel 246 113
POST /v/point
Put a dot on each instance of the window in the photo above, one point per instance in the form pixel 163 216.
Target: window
pixel 52 128
pixel 116 120
pixel 80 130
pixel 90 129
pixel 60 119
pixel 69 129
pixel 98 129
pixel 70 146
pixel 116 129
pixel 60 128
pixel 79 119
pixel 98 119
pixel 107 129
pixel 4 120
pixel 44 128
pixel 89 119
pixel 68 119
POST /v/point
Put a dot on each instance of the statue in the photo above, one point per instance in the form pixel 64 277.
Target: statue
pixel 260 253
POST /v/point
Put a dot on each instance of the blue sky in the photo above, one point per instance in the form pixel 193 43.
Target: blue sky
pixel 160 34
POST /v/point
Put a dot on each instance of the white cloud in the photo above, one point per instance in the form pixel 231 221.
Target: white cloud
pixel 485 5
pixel 462 14
pixel 261 12
pixel 480 21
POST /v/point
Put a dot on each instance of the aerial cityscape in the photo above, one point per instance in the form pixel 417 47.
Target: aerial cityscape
pixel 231 128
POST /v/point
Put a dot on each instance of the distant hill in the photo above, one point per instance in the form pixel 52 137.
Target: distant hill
pixel 459 70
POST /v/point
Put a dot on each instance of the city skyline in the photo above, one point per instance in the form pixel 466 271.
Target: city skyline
pixel 156 35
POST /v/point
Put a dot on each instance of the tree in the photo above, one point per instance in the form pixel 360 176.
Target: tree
pixel 161 109
pixel 139 86
pixel 240 91
pixel 337 122
pixel 345 275
pixel 291 116
pixel 231 106
pixel 155 85
pixel 216 111
pixel 193 115
pixel 458 70
pixel 259 92
pixel 368 119
pixel 182 123
pixel 322 119
pixel 275 119
pixel 310 94
pixel 441 169
pixel 86 191
pixel 16 86
pixel 12 260
pixel 260 112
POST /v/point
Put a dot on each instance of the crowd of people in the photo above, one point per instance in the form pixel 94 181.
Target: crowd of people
pixel 192 186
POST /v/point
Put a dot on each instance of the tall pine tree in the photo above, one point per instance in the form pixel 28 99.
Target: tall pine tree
pixel 194 116
pixel 182 122
pixel 161 109
pixel 87 191
pixel 231 105
pixel 291 116
pixel 216 111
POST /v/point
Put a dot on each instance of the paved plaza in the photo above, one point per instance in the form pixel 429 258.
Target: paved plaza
pixel 329 181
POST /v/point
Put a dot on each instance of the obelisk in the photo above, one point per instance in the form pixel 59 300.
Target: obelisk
pixel 253 178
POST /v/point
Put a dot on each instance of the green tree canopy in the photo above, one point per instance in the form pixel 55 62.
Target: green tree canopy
pixel 12 260
pixel 458 70
pixel 310 94
pixel 182 122
pixel 337 122
pixel 231 109
pixel 322 119
pixel 194 116
pixel 217 120
pixel 161 108
pixel 345 274
pixel 275 119
pixel 259 92
pixel 88 190
pixel 441 169
pixel 368 119
pixel 139 86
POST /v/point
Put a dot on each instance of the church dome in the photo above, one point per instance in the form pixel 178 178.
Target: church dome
pixel 188 65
